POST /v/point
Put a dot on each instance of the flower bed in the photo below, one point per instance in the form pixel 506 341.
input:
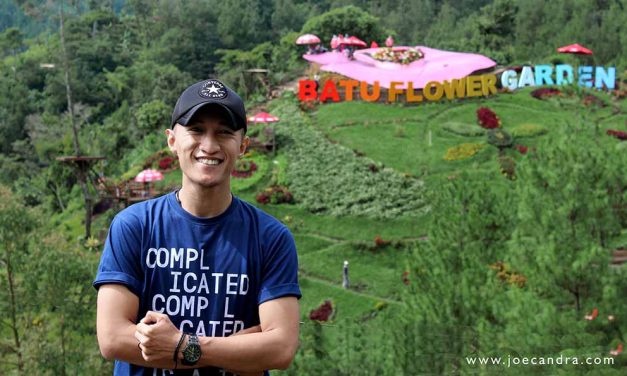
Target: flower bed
pixel 323 313
pixel 402 56
pixel 244 168
pixel 488 118
pixel 500 138
pixel 528 130
pixel 522 149
pixel 463 151
pixel 545 92
pixel 167 163
pixel 463 129
pixel 621 135
pixel 277 194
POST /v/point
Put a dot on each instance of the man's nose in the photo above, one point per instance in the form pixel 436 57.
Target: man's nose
pixel 209 144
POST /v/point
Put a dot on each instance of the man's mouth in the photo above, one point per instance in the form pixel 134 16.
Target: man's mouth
pixel 209 161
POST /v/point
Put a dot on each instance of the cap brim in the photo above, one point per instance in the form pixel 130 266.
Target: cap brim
pixel 187 117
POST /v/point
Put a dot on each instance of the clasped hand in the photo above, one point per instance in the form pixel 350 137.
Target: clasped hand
pixel 157 337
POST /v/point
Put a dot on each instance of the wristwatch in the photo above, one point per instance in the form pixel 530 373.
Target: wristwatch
pixel 191 352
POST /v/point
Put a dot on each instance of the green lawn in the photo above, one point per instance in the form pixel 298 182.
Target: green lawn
pixel 399 136
pixel 375 273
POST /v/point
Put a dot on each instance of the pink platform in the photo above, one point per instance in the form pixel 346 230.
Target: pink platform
pixel 436 65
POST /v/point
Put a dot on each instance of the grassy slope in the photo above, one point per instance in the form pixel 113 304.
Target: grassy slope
pixel 352 124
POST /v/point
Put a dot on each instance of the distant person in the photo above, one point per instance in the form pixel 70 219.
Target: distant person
pixel 199 282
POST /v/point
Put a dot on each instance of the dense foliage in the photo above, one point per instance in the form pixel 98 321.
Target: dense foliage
pixel 328 178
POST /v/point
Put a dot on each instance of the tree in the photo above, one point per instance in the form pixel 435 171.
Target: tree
pixel 450 279
pixel 287 17
pixel 494 29
pixel 347 20
pixel 571 200
pixel 47 309
pixel 16 223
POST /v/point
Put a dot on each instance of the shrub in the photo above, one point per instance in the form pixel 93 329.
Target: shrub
pixel 275 195
pixel 323 175
pixel 462 151
pixel 500 138
pixel 463 129
pixel 528 130
pixel 488 118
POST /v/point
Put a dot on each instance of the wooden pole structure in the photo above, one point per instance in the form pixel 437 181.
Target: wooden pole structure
pixel 81 168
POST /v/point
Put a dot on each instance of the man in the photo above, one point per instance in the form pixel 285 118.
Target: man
pixel 198 282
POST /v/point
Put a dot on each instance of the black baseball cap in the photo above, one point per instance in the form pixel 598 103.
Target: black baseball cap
pixel 207 92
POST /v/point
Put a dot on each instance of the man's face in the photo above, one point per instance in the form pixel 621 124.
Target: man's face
pixel 207 149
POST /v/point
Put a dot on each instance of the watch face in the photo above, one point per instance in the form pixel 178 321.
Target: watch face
pixel 192 353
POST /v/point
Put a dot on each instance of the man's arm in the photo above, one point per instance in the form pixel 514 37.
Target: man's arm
pixel 272 348
pixel 115 320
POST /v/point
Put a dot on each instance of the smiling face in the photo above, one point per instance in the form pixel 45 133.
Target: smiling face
pixel 207 148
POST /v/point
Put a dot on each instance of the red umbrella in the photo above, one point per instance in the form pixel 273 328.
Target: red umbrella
pixel 354 41
pixel 334 42
pixel 307 39
pixel 574 49
pixel 374 44
pixel 148 176
pixel 263 117
pixel 339 40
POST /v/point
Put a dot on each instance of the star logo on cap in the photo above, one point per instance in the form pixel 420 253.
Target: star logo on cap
pixel 213 89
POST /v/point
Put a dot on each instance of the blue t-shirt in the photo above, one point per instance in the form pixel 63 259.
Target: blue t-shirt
pixel 207 274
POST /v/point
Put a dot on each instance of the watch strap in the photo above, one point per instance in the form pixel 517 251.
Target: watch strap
pixel 176 350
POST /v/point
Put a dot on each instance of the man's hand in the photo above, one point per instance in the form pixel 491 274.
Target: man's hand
pixel 157 337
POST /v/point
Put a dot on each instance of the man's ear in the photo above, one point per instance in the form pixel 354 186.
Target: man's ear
pixel 244 145
pixel 171 138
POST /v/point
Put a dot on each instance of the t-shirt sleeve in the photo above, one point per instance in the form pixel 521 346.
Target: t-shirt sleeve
pixel 280 270
pixel 121 259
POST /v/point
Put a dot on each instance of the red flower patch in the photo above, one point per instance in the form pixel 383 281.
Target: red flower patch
pixel 322 313
pixel 545 92
pixel 522 149
pixel 621 135
pixel 405 277
pixel 487 118
pixel 379 242
pixel 166 163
